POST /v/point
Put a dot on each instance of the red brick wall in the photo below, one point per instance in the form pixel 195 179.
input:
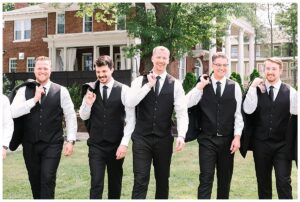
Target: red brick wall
pixel 73 24
pixel 51 23
pixel 100 26
pixel 33 48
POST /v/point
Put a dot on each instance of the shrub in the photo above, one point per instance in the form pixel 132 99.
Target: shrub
pixel 189 82
pixel 74 91
pixel 237 77
pixel 254 74
pixel 6 85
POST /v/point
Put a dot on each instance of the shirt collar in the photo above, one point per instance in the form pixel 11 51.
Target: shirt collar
pixel 47 86
pixel 109 84
pixel 162 76
pixel 223 80
pixel 276 85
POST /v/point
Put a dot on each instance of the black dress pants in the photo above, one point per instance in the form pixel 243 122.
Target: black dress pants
pixel 214 153
pixel 42 160
pixel 145 149
pixel 101 157
pixel 268 154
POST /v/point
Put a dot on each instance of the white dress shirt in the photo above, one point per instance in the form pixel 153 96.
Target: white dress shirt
pixel 85 111
pixel 20 106
pixel 7 121
pixel 250 102
pixel 195 95
pixel 137 93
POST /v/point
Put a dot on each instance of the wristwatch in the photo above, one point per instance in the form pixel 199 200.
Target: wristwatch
pixel 71 141
pixel 5 147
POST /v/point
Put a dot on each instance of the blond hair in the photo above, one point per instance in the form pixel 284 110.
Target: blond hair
pixel 275 60
pixel 162 48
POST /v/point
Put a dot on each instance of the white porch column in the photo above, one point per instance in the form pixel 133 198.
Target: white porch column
pixel 228 50
pixel 212 51
pixel 251 53
pixel 241 55
pixel 53 58
pixel 95 55
pixel 111 52
pixel 65 59
pixel 133 67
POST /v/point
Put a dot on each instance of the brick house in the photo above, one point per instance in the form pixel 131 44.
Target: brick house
pixel 71 42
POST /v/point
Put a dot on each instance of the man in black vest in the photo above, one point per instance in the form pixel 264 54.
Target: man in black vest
pixel 152 137
pixel 43 109
pixel 221 127
pixel 7 124
pixel 273 107
pixel 110 125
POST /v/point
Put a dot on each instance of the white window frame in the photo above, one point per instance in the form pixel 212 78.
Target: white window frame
pixel 10 65
pixel 22 29
pixel 57 14
pixel 27 64
pixel 89 21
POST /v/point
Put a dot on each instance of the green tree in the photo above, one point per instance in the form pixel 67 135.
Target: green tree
pixel 178 26
pixel 8 7
pixel 189 82
pixel 288 19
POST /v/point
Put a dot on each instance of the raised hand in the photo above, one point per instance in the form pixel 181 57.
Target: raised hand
pixel 90 98
pixel 39 91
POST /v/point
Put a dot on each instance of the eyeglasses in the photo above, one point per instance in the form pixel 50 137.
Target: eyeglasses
pixel 220 65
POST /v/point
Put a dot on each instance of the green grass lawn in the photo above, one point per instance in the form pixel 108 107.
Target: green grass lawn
pixel 73 178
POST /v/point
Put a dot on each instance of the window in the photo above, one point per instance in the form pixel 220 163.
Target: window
pixel 87 61
pixel 121 23
pixel 22 29
pixel 12 64
pixel 198 68
pixel 260 68
pixel 30 64
pixel 88 23
pixel 277 50
pixel 60 19
pixel 234 52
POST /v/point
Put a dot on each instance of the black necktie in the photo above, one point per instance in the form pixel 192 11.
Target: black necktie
pixel 218 90
pixel 104 95
pixel 271 93
pixel 43 96
pixel 157 86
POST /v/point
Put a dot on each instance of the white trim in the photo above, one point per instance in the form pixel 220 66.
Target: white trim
pixel 30 58
pixel 9 64
pixel 88 39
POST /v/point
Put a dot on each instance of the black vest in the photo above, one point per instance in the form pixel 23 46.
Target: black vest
pixel 217 117
pixel 44 122
pixel 154 113
pixel 107 122
pixel 272 117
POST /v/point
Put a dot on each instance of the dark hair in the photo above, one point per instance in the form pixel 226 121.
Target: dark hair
pixel 104 60
pixel 219 55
